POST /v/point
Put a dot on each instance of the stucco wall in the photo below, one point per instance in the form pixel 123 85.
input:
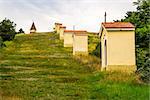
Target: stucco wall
pixel 80 44
pixel 121 48
pixel 121 68
pixel 55 28
pixel 61 35
pixel 68 39
pixel 58 29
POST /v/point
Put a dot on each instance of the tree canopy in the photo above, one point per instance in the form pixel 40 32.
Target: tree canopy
pixel 20 31
pixel 7 30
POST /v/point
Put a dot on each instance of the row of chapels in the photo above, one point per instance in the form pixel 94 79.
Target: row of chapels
pixel 117 44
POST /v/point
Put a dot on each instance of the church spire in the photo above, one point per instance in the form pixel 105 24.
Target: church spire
pixel 33 28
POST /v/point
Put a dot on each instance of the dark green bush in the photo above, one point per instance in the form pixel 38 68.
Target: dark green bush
pixel 97 51
pixel 7 30
pixel 144 71
pixel 20 31
pixel 1 42
pixel 141 57
pixel 7 37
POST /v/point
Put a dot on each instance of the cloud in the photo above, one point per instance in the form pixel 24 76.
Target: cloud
pixel 84 14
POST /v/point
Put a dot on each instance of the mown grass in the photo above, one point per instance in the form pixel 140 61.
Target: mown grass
pixel 93 40
pixel 37 66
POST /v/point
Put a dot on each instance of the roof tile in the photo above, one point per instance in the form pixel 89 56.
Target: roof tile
pixel 118 25
pixel 58 24
pixel 75 31
pixel 62 26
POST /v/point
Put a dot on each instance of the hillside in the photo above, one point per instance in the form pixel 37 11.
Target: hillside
pixel 37 66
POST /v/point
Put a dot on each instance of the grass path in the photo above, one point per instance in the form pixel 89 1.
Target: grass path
pixel 37 66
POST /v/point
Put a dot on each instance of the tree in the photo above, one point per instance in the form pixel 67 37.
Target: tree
pixel 97 51
pixel 1 42
pixel 20 31
pixel 7 30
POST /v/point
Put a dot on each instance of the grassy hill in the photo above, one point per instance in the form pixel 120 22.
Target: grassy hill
pixel 36 66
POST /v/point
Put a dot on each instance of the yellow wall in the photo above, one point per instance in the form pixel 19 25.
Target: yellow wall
pixel 56 26
pixel 68 39
pixel 58 29
pixel 120 49
pixel 80 44
pixel 61 35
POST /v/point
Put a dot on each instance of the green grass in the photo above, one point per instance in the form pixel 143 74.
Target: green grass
pixel 37 66
pixel 93 40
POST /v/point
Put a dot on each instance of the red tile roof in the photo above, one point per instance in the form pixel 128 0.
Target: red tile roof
pixel 118 25
pixel 58 24
pixel 62 26
pixel 68 31
pixel 75 31
pixel 84 33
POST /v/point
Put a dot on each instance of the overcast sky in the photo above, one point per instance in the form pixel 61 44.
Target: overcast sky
pixel 84 14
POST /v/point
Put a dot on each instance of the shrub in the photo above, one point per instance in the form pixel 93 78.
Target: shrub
pixel 1 42
pixel 97 51
pixel 144 71
pixel 7 30
pixel 141 57
pixel 20 31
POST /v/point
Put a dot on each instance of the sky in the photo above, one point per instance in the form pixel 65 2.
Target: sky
pixel 83 14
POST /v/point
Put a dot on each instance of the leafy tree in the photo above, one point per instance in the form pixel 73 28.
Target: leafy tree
pixel 144 71
pixel 97 51
pixel 1 42
pixel 20 31
pixel 7 30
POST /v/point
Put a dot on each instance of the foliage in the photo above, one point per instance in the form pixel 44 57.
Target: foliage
pixel 141 55
pixel 93 40
pixel 7 30
pixel 139 18
pixel 20 31
pixel 144 71
pixel 1 42
pixel 94 44
pixel 97 51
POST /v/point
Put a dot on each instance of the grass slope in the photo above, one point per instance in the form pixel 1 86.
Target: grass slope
pixel 37 66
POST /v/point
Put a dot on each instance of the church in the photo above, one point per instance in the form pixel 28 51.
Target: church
pixel 33 28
